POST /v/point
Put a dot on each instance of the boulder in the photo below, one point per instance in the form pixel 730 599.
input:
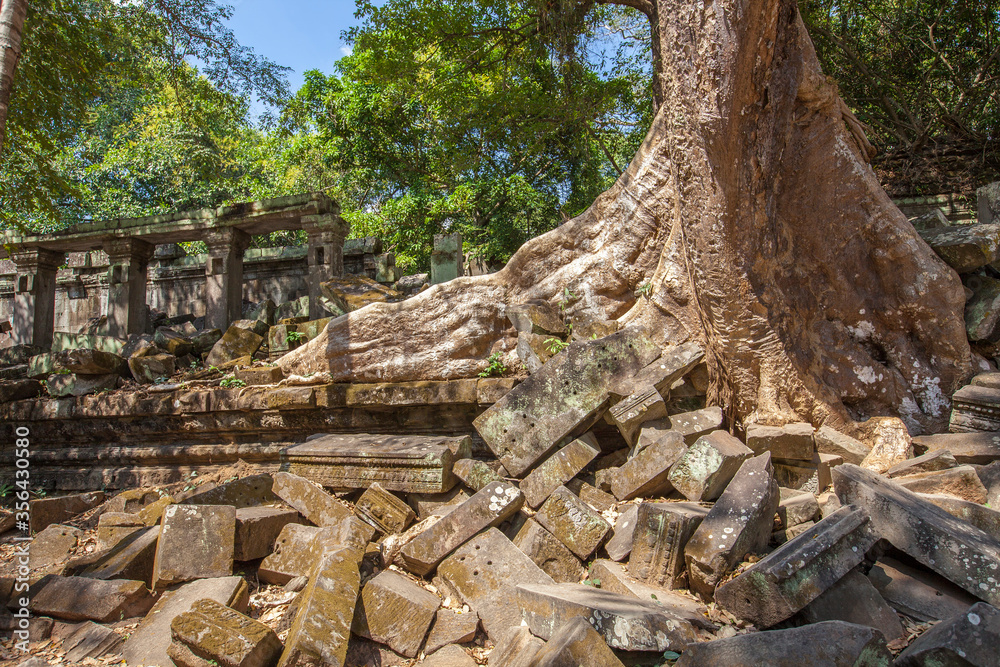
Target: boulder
pixel 235 343
pixel 965 248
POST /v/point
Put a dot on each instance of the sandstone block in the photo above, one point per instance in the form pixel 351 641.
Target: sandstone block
pixel 131 501
pixel 484 572
pixel 739 523
pixel 82 599
pixel 958 551
pixel 235 343
pixel 631 412
pixel 577 643
pixel 488 507
pixel 704 470
pixel 620 544
pixel 964 248
pixel 648 471
pixel 74 384
pixel 548 553
pixel 450 656
pixel 853 599
pixel 260 375
pixel 173 342
pixel 113 527
pixel 475 474
pixel 296 548
pixel 533 350
pixel 204 341
pixel 516 647
pixel 310 500
pixel 395 611
pixel 257 528
pixel 196 542
pixel 147 369
pixel 19 390
pixel 940 459
pixel 131 558
pixel 624 623
pixel 573 522
pixel 672 364
pixel 53 545
pixel 982 311
pixel 436 504
pixel 961 482
pixel 796 507
pixel 693 425
pixel 451 627
pixel 791 441
pixel 216 633
pixel 968 638
pixel 243 492
pixel 594 497
pixel 975 409
pixel 830 441
pixel 90 640
pixel 916 592
pixel 558 469
pixel 661 534
pixel 976 448
pixel 980 516
pixel 891 443
pixel 611 576
pixel 383 510
pixel 350 293
pixel 153 512
pixel 537 318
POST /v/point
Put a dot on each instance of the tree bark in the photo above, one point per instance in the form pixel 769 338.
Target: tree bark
pixel 752 211
pixel 12 15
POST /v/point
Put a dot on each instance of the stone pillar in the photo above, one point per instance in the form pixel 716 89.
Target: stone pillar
pixel 988 202
pixel 35 295
pixel 326 234
pixel 126 310
pixel 224 276
pixel 446 259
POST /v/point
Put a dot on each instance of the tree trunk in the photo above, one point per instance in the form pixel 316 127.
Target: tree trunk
pixel 12 15
pixel 752 211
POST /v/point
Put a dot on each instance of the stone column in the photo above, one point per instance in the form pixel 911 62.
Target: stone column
pixel 224 276
pixel 35 295
pixel 326 234
pixel 446 259
pixel 129 259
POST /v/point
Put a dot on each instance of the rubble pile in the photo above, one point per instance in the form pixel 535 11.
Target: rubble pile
pixel 607 528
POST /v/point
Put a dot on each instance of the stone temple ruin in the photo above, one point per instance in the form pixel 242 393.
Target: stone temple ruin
pixel 587 509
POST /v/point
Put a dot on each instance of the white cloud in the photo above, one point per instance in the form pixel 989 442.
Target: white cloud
pixel 346 50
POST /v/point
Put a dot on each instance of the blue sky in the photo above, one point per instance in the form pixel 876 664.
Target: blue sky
pixel 301 34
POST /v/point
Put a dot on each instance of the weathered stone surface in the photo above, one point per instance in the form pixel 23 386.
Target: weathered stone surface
pixel 82 599
pixel 533 350
pixel 152 513
pixel 704 470
pixel 73 384
pixel 853 599
pixel 968 638
pixel 131 501
pixel 620 545
pixel 18 354
pixel 648 471
pixel 918 593
pixel 383 510
pixel 559 469
pixel 531 419
pixel 516 647
pixel 491 390
pixel 797 572
pixel 325 610
pixel 978 448
pixel 662 532
pixel 450 656
pixel 975 409
pixel 243 492
pixel 216 633
pixel 484 572
pixel 131 558
pixel 891 443
pixel 82 362
pixel 46 511
pixel 148 644
pixel 960 552
pixel 536 318
pixel 411 464
pixel 989 475
pixel 940 459
pixel 829 644
pixel 18 390
pixel 395 611
pixel 576 643
pixel 964 248
pixel 310 500
pixel 672 364
pixel 196 542
pixel 204 341
pixel 53 545
pixel 980 516
pixel 173 342
pixel 475 474
pixel 436 504
pixel 643 405
pixel 623 622
pixel 147 369
pixel 235 343
pixel 573 522
pixel 739 523
pixel 961 481
pixel 113 527
pixel 259 327
pixel 791 441
pixel 292 555
pixel 693 425
pixel 611 576
pixel 260 375
pixel 796 507
pixel 982 311
pixel 990 380
pixel 90 640
pixel 451 627
pixel 548 553
pixel 594 497
pixel 350 293
pixel 257 528
pixel 488 507
pixel 830 441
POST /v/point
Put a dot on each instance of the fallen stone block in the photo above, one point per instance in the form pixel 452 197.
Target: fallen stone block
pixel 18 354
pixel 648 471
pixel 536 318
pixel 406 463
pixel 975 409
pixel 739 523
pixel 489 507
pixel 235 343
pixel 325 609
pixel 594 497
pixel 131 558
pixel 831 441
pixel 437 504
pixel 968 638
pixel 853 599
pixel 940 459
pixel 53 546
pixel 577 643
pixel 967 448
pixel 796 573
pixel 19 390
pixel 989 475
pixel 292 554
pixel 619 546
pixel 384 511
pixel 791 441
pixel 829 644
pixel 813 477
pixel 73 384
pixel 672 364
pixel 475 474
pixel 516 647
pixel 148 643
pixel 173 342
pixel 891 443
pixel 691 426
pixel 151 368
pixel 958 551
pixel 260 375
pixel 90 640
pixel 918 593
pixel 624 623
pixel 558 469
pixel 484 573
pixel 704 470
pixel 257 528
pixel 219 635
pixel 533 350
pixel 395 611
pixel 631 412
pixel 196 542
pixel 310 500
pixel 450 656
pixel 152 514
pixel 982 311
pixel 796 507
pixel 980 516
pixel 525 425
pixel 548 553
pixel 131 501
pixel 964 248
pixel 248 491
pixel 350 293
pixel 661 534
pixel 113 527
pixel 961 482
pixel 573 522
pixel 83 599
pixel 451 627
pixel 611 576
pixel 90 362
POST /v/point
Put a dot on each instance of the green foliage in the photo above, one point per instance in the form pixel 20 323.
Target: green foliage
pixel 230 382
pixel 295 337
pixel 555 345
pixel 495 366
pixel 5 489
